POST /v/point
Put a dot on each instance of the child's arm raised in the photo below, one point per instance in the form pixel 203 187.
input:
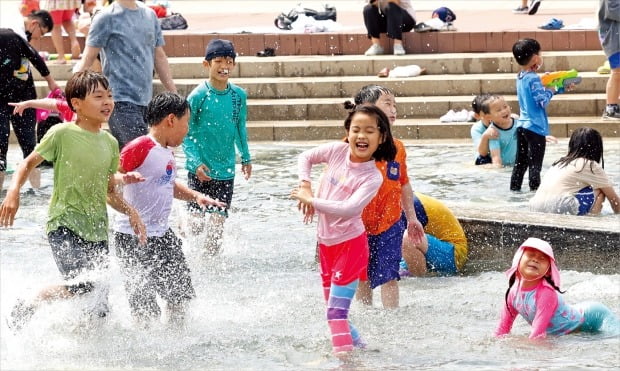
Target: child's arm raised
pixel 44 103
pixel 9 206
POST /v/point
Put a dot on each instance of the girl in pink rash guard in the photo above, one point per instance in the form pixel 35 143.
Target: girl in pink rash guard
pixel 537 298
pixel 350 181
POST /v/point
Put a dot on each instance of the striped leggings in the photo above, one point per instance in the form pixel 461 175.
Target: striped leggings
pixel 344 335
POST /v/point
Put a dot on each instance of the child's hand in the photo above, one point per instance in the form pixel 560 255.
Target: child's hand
pixel 306 208
pixel 8 209
pixel 491 133
pixel 138 226
pixel 19 107
pixel 132 177
pixel 202 173
pixel 415 231
pixel 570 87
pixel 246 170
pixel 551 139
pixel 303 195
pixel 205 201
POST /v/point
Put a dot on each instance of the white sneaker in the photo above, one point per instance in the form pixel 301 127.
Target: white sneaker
pixel 375 49
pixel 448 117
pixel 398 49
pixel 461 116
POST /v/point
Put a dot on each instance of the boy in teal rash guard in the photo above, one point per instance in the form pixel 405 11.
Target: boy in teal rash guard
pixel 216 127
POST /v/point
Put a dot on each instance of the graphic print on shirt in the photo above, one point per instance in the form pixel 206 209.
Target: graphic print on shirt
pixel 393 170
pixel 340 183
pixel 24 70
pixel 167 177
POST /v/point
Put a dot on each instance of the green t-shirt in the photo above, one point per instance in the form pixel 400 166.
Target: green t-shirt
pixel 83 161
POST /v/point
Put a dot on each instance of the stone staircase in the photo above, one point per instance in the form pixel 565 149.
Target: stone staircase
pixel 300 97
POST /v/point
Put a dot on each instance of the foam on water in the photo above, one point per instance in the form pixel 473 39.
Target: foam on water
pixel 259 304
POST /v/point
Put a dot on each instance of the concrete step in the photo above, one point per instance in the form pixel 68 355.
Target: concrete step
pixel 360 65
pixel 572 104
pixel 304 130
pixel 348 86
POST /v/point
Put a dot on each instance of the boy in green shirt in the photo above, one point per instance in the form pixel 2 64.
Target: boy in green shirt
pixel 85 160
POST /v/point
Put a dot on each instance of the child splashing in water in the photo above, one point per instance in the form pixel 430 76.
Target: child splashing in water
pixel 350 181
pixel 536 297
pixel 383 217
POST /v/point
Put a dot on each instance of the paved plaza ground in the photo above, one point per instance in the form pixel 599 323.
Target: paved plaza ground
pixel 228 16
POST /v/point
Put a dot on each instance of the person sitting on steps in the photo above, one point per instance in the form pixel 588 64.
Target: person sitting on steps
pixel 388 16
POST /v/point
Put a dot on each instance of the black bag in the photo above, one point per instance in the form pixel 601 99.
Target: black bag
pixel 285 21
pixel 175 21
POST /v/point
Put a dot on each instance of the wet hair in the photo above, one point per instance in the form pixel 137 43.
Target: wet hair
pixel 524 49
pixel 83 83
pixel 476 103
pixel 584 142
pixel 164 104
pixel 513 278
pixel 44 18
pixel 386 150
pixel 367 94
pixel 485 105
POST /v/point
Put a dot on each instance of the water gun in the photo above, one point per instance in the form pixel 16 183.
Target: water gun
pixel 560 79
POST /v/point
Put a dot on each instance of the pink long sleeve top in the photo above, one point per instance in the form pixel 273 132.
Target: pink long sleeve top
pixel 543 308
pixel 345 190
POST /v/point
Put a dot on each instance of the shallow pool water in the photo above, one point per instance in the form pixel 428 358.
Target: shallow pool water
pixel 259 304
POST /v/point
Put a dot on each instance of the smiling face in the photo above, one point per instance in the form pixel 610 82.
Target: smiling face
pixel 499 113
pixel 220 69
pixel 364 137
pixel 387 103
pixel 96 106
pixel 534 265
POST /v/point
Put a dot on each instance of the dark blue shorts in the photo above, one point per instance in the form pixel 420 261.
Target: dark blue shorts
pixel 614 60
pixel 221 190
pixel 385 254
pixel 585 196
pixel 483 160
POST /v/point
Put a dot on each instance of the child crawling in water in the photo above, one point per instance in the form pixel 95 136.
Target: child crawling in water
pixel 534 293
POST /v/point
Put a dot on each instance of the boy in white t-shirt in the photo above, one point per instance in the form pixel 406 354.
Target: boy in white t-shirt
pixel 159 267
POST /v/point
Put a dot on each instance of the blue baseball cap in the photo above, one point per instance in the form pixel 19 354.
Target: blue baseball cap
pixel 445 14
pixel 220 48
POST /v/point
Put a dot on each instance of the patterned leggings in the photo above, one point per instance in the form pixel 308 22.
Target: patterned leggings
pixel 344 335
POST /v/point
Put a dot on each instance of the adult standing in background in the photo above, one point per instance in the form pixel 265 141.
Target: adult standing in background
pixel 388 16
pixel 17 83
pixel 63 12
pixel 609 34
pixel 129 37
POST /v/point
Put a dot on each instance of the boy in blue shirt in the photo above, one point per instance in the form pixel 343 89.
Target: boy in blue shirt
pixel 501 135
pixel 216 127
pixel 533 124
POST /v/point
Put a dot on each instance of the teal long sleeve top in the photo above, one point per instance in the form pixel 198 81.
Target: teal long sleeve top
pixel 216 127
